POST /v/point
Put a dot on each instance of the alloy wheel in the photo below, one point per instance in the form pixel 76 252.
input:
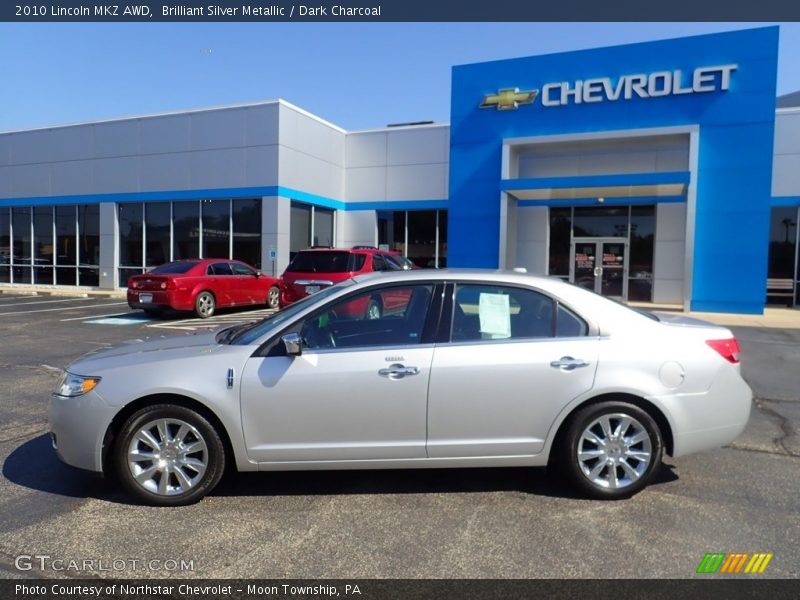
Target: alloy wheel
pixel 614 451
pixel 167 457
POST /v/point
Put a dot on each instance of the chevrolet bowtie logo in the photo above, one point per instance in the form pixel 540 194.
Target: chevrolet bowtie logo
pixel 509 99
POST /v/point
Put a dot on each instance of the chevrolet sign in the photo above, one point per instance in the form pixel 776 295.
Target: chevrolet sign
pixel 604 89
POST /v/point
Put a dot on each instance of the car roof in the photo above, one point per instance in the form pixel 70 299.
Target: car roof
pixel 352 250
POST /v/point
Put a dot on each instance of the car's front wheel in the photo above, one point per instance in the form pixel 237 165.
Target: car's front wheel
pixel 169 455
pixel 611 450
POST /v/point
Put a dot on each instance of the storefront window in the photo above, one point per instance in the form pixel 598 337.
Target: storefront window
pixel 247 231
pixel 21 257
pixel 640 266
pixel 782 270
pixel 131 234
pixel 157 216
pixel 323 227
pixel 600 221
pixel 420 235
pixel 89 244
pixel 560 226
pixel 185 230
pixel 216 228
pixel 300 228
pixel 43 245
pixel 5 246
pixel 399 233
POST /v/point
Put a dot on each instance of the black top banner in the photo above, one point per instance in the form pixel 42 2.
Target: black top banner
pixel 399 10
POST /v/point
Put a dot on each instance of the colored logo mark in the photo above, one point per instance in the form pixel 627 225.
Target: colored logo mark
pixel 508 99
pixel 736 562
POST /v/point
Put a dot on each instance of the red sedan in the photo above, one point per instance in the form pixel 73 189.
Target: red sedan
pixel 202 285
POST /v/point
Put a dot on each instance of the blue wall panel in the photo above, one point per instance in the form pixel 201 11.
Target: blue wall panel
pixel 735 155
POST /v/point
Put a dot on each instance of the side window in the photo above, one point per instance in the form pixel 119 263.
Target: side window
pixel 568 324
pixel 241 269
pixel 357 262
pixel 393 263
pixel 378 263
pixel 388 316
pixel 484 312
pixel 220 269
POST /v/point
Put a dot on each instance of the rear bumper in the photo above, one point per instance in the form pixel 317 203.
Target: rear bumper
pixel 161 300
pixel 712 419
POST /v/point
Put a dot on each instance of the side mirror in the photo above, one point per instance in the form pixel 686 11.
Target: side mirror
pixel 258 274
pixel 293 343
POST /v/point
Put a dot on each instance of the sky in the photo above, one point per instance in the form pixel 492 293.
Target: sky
pixel 358 76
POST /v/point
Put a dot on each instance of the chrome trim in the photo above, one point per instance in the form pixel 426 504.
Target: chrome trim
pixel 313 282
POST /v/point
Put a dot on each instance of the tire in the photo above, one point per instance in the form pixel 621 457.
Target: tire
pixel 374 309
pixel 628 447
pixel 205 305
pixel 189 476
pixel 274 297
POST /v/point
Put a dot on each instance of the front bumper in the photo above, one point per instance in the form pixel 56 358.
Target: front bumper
pixel 77 428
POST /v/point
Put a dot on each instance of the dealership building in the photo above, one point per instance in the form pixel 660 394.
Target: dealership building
pixel 665 172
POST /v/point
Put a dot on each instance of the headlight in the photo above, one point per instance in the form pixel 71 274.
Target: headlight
pixel 72 385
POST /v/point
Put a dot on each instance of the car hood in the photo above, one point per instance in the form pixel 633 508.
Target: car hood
pixel 148 350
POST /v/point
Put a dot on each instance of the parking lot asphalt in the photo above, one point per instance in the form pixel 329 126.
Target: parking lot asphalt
pixel 506 523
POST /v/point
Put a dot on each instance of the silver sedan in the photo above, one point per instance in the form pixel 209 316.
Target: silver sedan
pixel 452 369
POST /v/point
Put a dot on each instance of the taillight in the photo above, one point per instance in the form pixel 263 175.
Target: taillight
pixel 134 284
pixel 727 349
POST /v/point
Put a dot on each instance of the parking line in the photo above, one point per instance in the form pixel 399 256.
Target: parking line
pixel 27 312
pixel 103 316
pixel 46 301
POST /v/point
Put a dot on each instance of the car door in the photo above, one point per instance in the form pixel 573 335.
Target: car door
pixel 358 391
pixel 245 285
pixel 515 358
pixel 220 282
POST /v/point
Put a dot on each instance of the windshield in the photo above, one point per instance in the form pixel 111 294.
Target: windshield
pixel 252 332
pixel 181 266
pixel 320 262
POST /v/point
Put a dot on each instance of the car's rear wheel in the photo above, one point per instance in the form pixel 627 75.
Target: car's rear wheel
pixel 205 305
pixel 274 297
pixel 169 455
pixel 611 450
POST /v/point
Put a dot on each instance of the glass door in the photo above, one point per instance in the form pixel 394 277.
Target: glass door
pixel 584 263
pixel 601 265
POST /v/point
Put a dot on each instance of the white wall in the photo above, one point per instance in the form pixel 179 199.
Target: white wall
pixel 356 228
pixel 532 239
pixel 786 162
pixel 311 155
pixel 404 163
pixel 670 247
pixel 602 157
pixel 218 148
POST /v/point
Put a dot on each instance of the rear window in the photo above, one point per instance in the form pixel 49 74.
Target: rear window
pixel 174 267
pixel 323 262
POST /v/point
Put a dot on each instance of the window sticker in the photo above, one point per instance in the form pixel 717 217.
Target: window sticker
pixel 495 316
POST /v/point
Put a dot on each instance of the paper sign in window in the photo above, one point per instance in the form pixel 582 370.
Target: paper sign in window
pixel 495 316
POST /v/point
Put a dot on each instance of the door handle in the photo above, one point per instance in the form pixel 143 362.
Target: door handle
pixel 398 371
pixel 567 363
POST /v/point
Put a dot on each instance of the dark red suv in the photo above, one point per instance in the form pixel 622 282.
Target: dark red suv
pixel 317 268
